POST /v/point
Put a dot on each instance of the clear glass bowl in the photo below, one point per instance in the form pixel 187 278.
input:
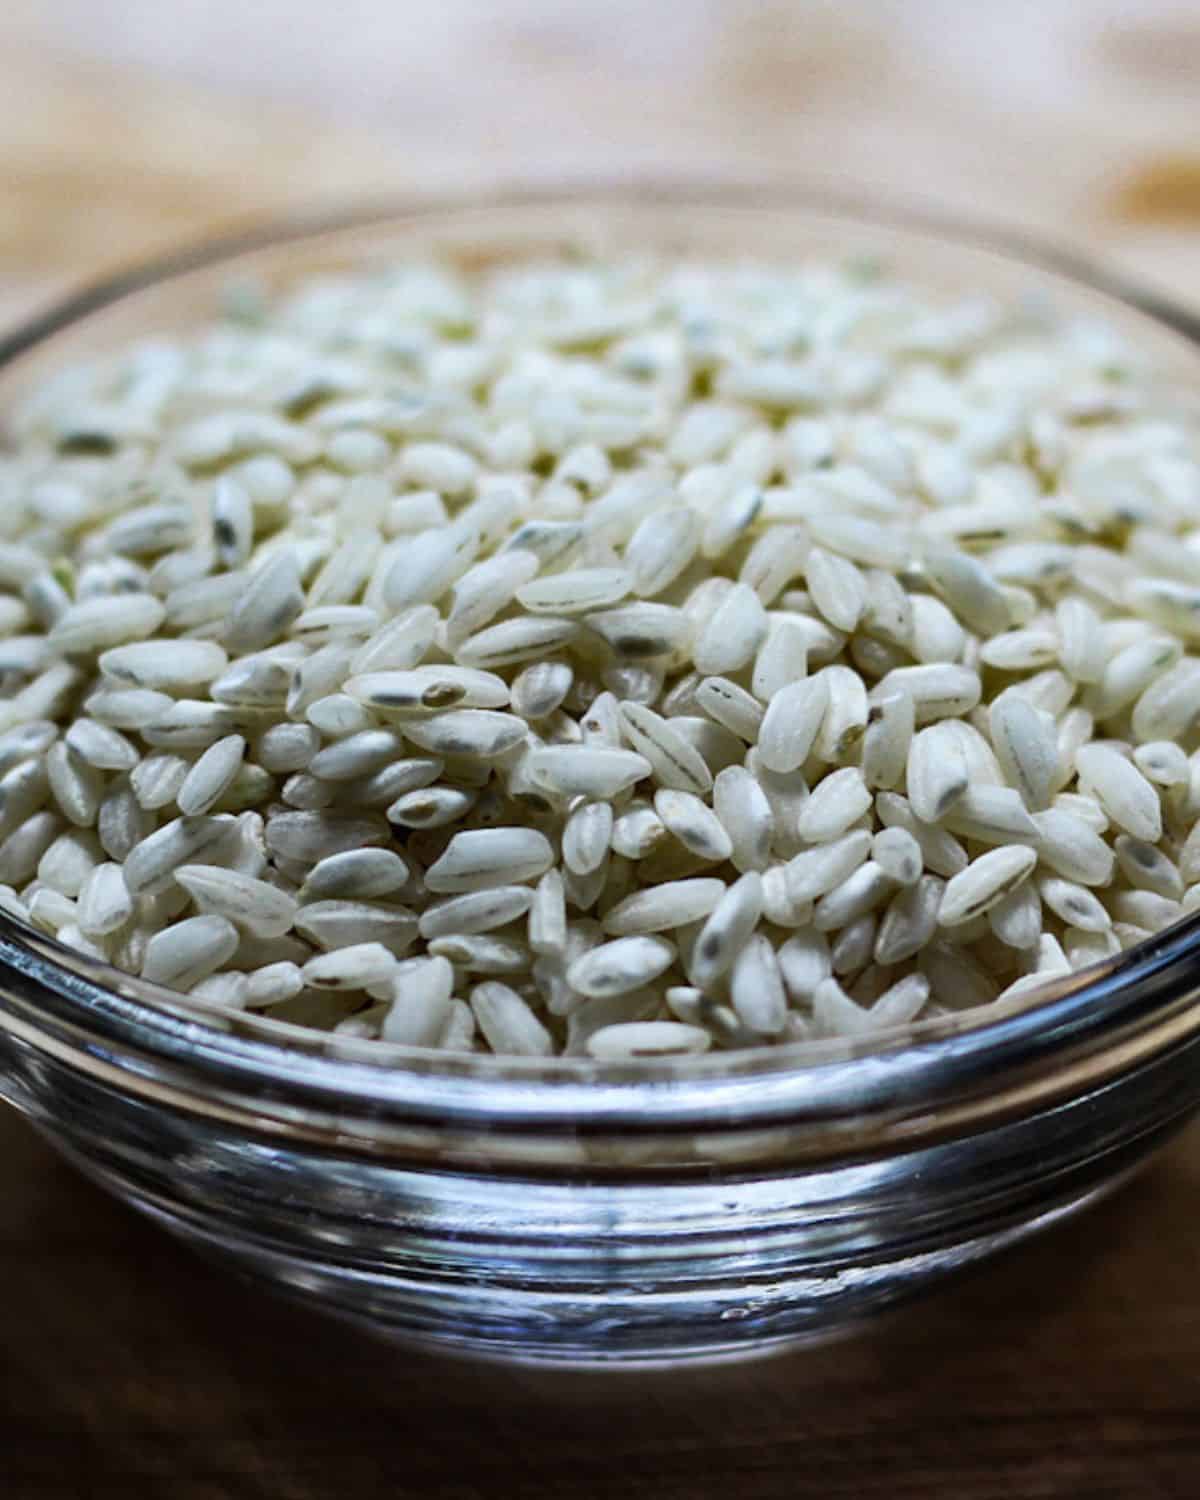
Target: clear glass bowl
pixel 565 1210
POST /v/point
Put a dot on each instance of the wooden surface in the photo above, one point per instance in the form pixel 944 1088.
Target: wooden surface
pixel 126 125
pixel 129 1369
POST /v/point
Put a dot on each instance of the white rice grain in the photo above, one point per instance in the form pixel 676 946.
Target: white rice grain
pixel 726 930
pixel 674 762
pixel 745 814
pixel 734 633
pixel 188 951
pixel 910 920
pixel 1025 744
pixel 1124 793
pixel 355 967
pixel 756 987
pixel 937 775
pixel 508 1023
pixel 617 967
pixel 620 1042
pixel 479 858
pixel 585 770
pixel 837 802
pixel 790 725
pixel 898 855
pixel 665 907
pixel 985 881
pixel 208 780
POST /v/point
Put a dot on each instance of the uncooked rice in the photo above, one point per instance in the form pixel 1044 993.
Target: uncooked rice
pixel 610 659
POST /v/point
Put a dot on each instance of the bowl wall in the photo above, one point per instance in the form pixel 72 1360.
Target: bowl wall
pixel 611 1268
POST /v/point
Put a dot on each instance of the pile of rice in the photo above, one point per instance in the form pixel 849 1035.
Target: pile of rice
pixel 611 659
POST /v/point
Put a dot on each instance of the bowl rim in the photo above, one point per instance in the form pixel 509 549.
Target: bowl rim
pixel 96 1015
pixel 877 209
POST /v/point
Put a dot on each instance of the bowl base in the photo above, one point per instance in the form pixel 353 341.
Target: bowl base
pixel 606 1327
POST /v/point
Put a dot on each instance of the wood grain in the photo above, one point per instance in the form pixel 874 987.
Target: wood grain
pixel 133 1371
pixel 126 125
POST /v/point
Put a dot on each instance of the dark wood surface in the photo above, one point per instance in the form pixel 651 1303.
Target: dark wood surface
pixel 132 1370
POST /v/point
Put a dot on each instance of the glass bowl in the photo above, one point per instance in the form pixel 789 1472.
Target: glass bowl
pixel 566 1210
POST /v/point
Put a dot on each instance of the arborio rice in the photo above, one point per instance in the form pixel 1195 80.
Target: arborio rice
pixel 614 660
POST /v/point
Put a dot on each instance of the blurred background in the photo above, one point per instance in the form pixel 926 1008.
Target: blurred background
pixel 126 125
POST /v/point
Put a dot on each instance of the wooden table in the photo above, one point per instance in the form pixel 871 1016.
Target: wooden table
pixel 129 1369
